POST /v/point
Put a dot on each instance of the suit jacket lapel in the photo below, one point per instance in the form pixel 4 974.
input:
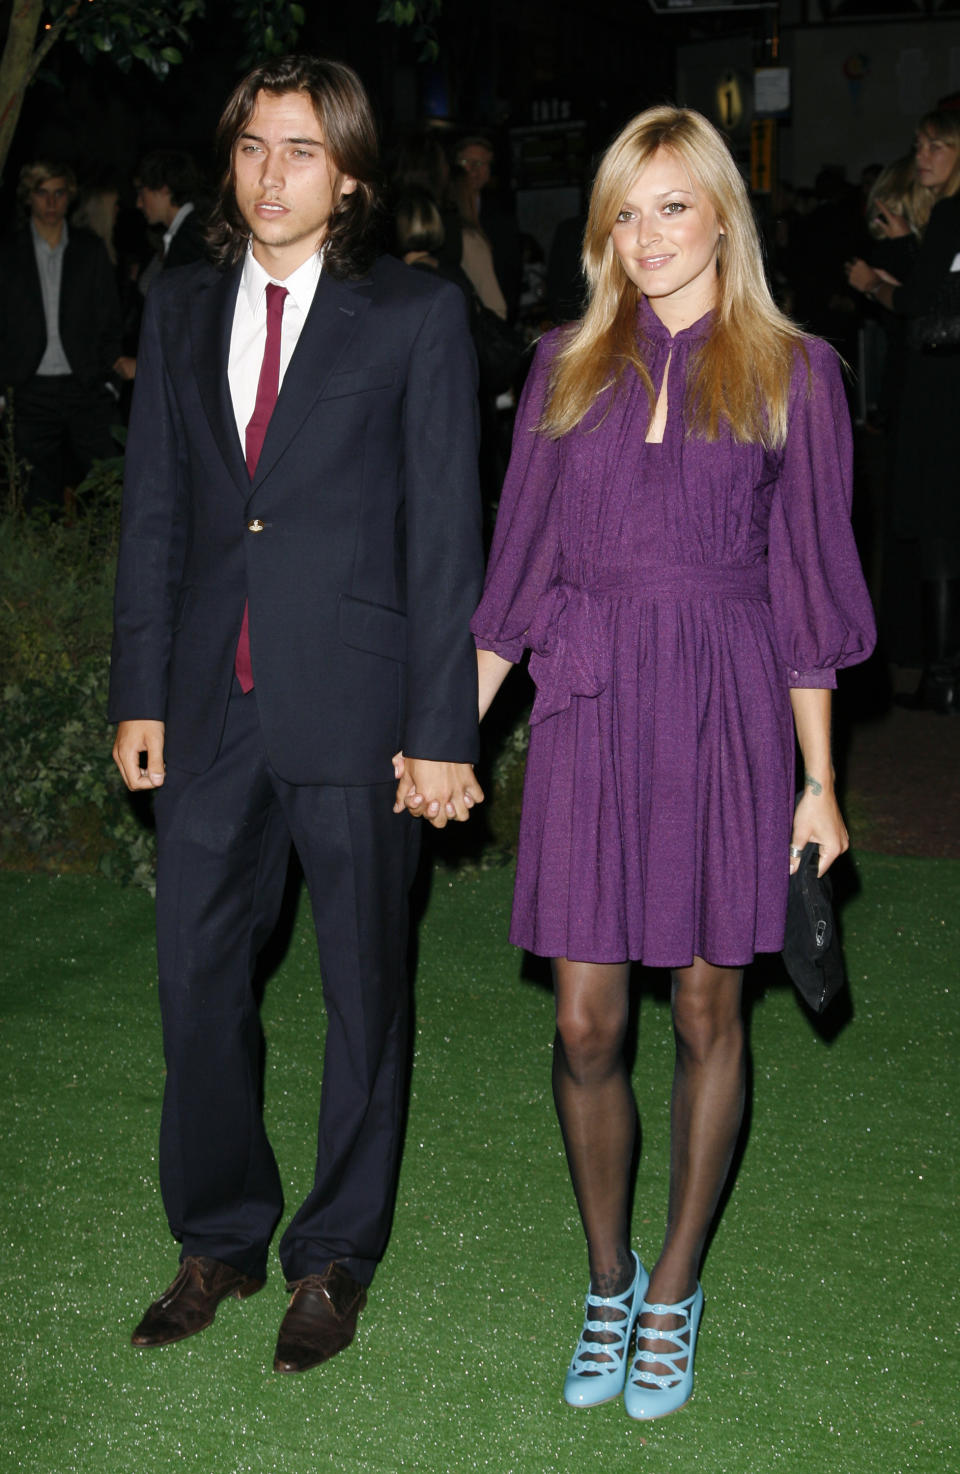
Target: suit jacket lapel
pixel 69 278
pixel 335 314
pixel 211 323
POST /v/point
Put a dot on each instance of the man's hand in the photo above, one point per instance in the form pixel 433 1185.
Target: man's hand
pixel 435 791
pixel 138 753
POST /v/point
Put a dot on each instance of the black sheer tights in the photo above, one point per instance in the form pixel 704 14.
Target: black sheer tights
pixel 598 1117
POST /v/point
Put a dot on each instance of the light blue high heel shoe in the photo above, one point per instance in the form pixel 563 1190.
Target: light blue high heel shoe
pixel 662 1394
pixel 589 1381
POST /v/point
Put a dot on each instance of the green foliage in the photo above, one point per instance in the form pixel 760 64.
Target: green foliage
pixel 128 30
pixel 267 28
pixel 156 32
pixel 489 840
pixel 420 16
pixel 506 786
pixel 62 804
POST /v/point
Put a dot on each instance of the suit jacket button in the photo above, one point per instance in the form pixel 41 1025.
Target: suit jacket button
pixel 255 526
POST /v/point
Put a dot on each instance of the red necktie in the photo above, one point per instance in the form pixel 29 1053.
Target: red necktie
pixel 268 387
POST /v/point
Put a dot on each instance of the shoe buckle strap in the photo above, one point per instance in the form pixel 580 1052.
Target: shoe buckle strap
pixel 655 1378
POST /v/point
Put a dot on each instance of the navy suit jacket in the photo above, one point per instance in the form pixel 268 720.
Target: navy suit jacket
pixel 368 566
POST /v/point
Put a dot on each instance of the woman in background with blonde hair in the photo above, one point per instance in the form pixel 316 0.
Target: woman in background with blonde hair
pixel 97 209
pixel 673 546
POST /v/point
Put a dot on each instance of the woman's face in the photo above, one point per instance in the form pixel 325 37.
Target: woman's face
pixel 666 237
pixel 936 160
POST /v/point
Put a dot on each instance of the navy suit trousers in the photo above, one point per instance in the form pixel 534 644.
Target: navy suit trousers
pixel 224 840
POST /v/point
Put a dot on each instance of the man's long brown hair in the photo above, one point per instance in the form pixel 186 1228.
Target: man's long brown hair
pixel 350 139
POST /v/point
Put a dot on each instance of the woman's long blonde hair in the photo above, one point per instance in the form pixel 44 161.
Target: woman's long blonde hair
pixel 740 377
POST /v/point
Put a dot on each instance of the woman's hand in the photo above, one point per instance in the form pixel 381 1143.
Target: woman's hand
pixel 818 818
pixel 892 224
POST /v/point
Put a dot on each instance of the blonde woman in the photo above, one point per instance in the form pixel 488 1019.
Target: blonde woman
pixel 674 548
pixel 97 210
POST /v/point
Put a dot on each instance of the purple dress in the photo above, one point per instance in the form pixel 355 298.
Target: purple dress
pixel 670 596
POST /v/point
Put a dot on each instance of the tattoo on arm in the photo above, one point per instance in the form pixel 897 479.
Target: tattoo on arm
pixel 815 788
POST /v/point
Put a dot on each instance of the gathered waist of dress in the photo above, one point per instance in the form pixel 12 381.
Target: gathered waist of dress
pixel 571 652
pixel 680 580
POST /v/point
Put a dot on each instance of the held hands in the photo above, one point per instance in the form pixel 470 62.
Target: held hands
pixel 435 791
pixel 817 817
pixel 138 742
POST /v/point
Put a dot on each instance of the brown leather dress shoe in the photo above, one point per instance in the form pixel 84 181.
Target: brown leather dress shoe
pixel 321 1319
pixel 190 1303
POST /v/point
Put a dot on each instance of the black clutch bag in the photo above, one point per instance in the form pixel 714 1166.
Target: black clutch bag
pixel 811 948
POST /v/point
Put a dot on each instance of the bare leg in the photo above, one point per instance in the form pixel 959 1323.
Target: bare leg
pixel 706 1113
pixel 596 1109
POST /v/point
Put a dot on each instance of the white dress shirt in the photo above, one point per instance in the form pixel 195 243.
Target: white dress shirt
pixel 249 334
pixel 49 259
pixel 175 224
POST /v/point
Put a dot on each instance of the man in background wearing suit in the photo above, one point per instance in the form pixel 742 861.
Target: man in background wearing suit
pixel 297 571
pixel 168 186
pixel 59 337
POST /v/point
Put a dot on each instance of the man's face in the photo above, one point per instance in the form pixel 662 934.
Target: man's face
pixel 154 204
pixel 286 184
pixel 477 160
pixel 48 203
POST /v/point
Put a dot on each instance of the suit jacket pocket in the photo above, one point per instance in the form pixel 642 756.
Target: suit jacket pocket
pixel 375 628
pixel 357 381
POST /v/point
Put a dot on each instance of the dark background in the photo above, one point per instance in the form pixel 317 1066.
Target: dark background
pixel 500 65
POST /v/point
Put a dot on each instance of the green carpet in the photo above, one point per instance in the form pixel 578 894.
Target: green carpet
pixel 829 1337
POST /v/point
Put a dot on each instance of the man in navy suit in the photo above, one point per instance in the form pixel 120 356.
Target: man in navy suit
pixel 300 556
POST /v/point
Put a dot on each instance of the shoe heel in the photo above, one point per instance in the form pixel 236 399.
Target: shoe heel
pixel 244 1291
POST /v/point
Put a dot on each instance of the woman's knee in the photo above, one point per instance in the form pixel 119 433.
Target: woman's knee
pixel 591 1024
pixel 706 1009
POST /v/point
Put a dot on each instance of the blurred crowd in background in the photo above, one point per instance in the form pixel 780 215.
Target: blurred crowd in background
pixel 871 265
